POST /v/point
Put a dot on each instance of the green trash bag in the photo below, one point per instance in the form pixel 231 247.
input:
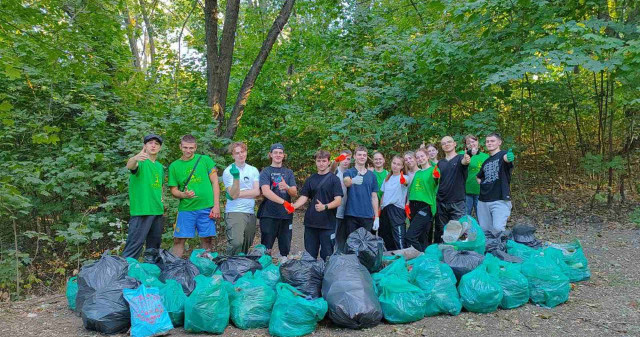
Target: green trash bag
pixel 438 283
pixel 571 259
pixel 294 314
pixel 72 292
pixel 251 302
pixel 203 260
pixel 474 239
pixel 515 287
pixel 146 273
pixel 548 286
pixel 265 260
pixel 397 268
pixel 207 308
pixel 401 301
pixel 479 291
pixel 434 250
pixel 522 251
pixel 173 299
pixel 270 275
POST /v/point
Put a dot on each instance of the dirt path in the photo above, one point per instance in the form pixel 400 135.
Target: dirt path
pixel 608 304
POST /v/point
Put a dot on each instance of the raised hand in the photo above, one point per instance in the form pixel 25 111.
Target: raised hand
pixel 509 157
pixel 142 155
pixel 436 172
pixel 340 158
pixel 234 171
pixel 357 180
pixel 288 207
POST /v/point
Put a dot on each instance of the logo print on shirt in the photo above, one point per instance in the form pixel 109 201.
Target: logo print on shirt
pixel 491 170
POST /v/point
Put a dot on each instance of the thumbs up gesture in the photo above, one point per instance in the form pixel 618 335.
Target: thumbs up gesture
pixel 319 206
pixel 234 171
pixel 403 181
pixel 142 155
pixel 340 158
pixel 509 157
pixel 436 172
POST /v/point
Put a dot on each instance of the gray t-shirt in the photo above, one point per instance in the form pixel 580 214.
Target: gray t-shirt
pixel 340 211
pixel 394 192
pixel 271 176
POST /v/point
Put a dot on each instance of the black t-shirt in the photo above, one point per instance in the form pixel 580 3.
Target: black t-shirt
pixel 495 176
pixel 453 176
pixel 271 176
pixel 326 193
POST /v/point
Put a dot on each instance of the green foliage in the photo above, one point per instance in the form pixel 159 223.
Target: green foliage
pixel 634 217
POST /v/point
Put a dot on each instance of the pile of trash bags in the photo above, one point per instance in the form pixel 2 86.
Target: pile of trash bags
pixel 357 288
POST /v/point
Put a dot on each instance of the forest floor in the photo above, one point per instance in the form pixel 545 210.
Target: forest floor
pixel 608 303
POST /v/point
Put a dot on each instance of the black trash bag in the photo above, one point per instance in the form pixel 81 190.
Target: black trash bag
pixel 525 234
pixel 99 274
pixel 349 291
pixel 461 261
pixel 495 240
pixel 367 247
pixel 165 257
pixel 233 267
pixel 504 256
pixel 183 271
pixel 106 310
pixel 304 274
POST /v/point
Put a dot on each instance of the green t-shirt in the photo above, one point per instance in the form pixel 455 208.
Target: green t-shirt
pixel 424 188
pixel 145 189
pixel 380 177
pixel 179 171
pixel 472 186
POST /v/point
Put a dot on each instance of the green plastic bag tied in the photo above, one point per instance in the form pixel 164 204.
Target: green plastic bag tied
pixel 438 283
pixel 251 302
pixel 515 286
pixel 548 286
pixel 295 314
pixel 72 292
pixel 479 291
pixel 203 260
pixel 173 299
pixel 401 301
pixel 207 308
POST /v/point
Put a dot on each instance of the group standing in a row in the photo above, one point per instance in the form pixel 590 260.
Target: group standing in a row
pixel 419 186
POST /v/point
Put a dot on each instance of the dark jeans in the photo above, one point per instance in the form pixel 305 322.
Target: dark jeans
pixel 318 239
pixel 471 202
pixel 446 212
pixel 143 228
pixel 353 223
pixel 392 227
pixel 420 228
pixel 272 229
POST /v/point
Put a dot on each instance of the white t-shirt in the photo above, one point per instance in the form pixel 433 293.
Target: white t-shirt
pixel 248 176
pixel 394 192
pixel 340 210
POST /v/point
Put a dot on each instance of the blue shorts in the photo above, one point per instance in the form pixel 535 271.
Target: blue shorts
pixel 188 221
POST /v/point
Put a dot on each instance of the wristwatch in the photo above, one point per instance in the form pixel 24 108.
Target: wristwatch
pixel 326 207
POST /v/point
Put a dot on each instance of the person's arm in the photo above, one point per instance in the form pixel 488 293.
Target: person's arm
pixel 268 193
pixel 252 193
pixel 181 195
pixel 480 175
pixel 466 159
pixel 292 191
pixel 374 203
pixel 301 201
pixel 132 163
pixel 213 177
pixel 234 190
pixel 335 203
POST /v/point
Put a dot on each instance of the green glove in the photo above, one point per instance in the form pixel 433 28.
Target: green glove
pixel 234 172
pixel 510 156
pixel 228 196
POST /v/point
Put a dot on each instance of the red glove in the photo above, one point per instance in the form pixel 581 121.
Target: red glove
pixel 402 179
pixel 436 173
pixel 379 212
pixel 340 158
pixel 287 205
pixel 407 211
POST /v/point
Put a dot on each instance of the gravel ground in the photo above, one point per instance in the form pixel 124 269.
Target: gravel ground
pixel 609 303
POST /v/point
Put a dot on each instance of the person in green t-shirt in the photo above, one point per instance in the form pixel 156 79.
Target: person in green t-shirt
pixel 145 198
pixel 422 202
pixel 199 196
pixel 471 186
pixel 379 171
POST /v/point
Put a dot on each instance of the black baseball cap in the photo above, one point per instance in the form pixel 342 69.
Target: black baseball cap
pixel 149 137
pixel 276 146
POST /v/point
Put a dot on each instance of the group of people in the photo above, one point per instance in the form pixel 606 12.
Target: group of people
pixel 420 186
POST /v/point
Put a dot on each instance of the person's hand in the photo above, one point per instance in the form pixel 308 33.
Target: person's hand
pixel 188 194
pixel 357 180
pixel 142 155
pixel 403 181
pixel 234 171
pixel 423 145
pixel 340 158
pixel 376 223
pixel 283 186
pixel 407 211
pixel 319 206
pixel 466 158
pixel 288 207
pixel 228 196
pixel 215 212
pixel 509 157
pixel 436 173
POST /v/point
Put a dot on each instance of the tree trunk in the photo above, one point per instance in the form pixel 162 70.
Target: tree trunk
pixel 150 34
pixel 133 45
pixel 574 104
pixel 211 36
pixel 610 107
pixel 252 75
